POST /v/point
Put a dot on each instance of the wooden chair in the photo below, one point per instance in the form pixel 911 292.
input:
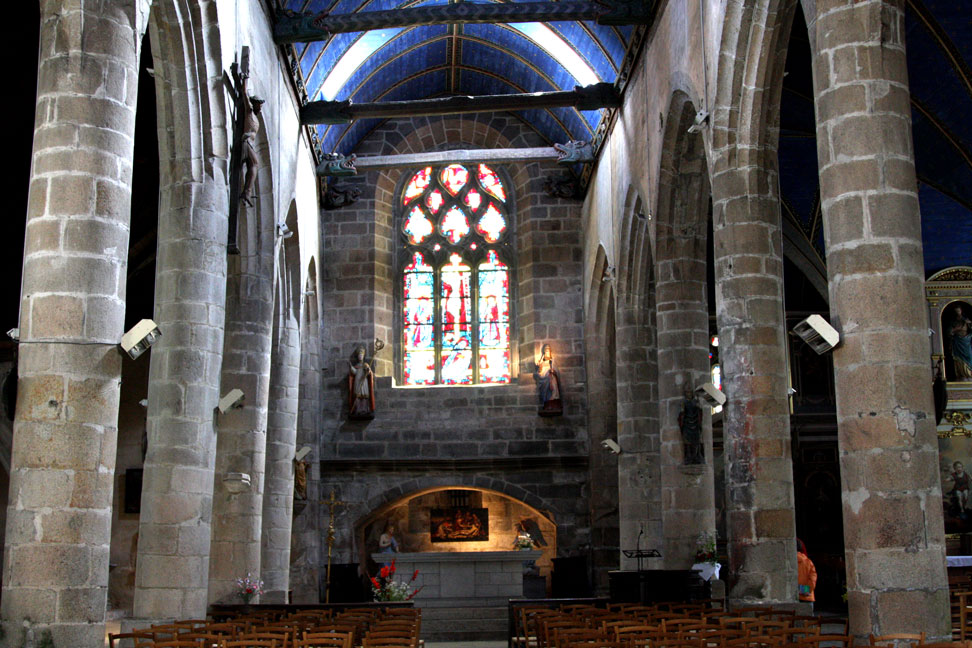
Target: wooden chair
pixel 207 639
pixel 115 638
pixel 282 636
pixel 327 639
pixel 248 643
pixel 178 643
pixel 754 641
pixel 718 638
pixel 669 641
pixel 387 642
pixel 814 641
pixel 564 636
pixel 897 639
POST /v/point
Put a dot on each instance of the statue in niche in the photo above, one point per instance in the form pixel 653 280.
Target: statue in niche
pixel 387 543
pixel 960 332
pixel 548 384
pixel 251 126
pixel 361 386
pixel 690 424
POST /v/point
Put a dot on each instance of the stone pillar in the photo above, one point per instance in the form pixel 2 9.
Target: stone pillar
pixel 892 508
pixel 306 571
pixel 55 577
pixel 639 493
pixel 752 346
pixel 190 289
pixel 278 492
pixel 242 438
pixel 688 506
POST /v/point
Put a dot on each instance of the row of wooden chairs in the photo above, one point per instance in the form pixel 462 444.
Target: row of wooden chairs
pixel 352 628
pixel 685 626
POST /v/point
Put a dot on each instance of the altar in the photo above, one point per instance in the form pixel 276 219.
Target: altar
pixel 463 578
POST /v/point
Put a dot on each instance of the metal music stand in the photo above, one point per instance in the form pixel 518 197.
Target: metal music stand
pixel 641 554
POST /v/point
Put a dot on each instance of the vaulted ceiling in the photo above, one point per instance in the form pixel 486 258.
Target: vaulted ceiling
pixel 428 61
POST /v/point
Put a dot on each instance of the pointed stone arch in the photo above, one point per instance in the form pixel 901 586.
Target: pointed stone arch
pixel 600 341
pixel 305 559
pixel 639 475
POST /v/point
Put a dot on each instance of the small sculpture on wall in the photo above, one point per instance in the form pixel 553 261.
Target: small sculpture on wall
pixel 690 424
pixel 960 334
pixel 548 384
pixel 361 386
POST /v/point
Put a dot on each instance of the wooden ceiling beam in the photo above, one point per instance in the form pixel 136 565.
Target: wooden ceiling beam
pixel 292 27
pixel 592 97
pixel 571 153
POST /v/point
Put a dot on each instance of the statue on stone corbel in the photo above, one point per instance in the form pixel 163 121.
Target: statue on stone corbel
pixel 549 385
pixel 361 386
pixel 690 425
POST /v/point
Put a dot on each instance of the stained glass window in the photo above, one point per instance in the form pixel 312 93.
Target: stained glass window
pixel 455 225
pixel 456 303
pixel 492 224
pixel 420 181
pixel 491 182
pixel 454 177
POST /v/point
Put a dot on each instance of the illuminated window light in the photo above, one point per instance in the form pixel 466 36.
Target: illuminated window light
pixel 356 55
pixel 557 48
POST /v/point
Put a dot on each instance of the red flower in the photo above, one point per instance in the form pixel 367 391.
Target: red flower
pixel 415 575
pixel 385 572
pixel 392 572
pixel 374 581
pixel 412 595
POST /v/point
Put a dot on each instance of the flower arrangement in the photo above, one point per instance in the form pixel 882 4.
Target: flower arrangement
pixel 523 542
pixel 249 587
pixel 705 549
pixel 386 587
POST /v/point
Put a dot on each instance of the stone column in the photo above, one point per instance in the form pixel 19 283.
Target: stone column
pixel 242 437
pixel 892 508
pixel 278 493
pixel 306 568
pixel 639 493
pixel 752 346
pixel 55 577
pixel 688 507
pixel 177 489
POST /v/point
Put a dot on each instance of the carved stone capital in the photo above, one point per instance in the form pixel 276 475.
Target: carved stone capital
pixel 564 186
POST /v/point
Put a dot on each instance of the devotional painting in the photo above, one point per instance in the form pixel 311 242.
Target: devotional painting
pixel 459 524
pixel 955 458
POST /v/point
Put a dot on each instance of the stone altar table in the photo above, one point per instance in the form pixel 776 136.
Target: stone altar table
pixel 463 578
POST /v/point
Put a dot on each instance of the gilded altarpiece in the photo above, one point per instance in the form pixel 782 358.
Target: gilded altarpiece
pixel 949 297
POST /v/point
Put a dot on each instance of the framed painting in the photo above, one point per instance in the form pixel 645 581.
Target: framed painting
pixel 459 524
pixel 955 458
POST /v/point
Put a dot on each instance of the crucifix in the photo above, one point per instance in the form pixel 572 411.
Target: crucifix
pixel 332 503
pixel 245 129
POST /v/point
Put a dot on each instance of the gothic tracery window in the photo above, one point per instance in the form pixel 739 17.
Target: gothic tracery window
pixel 455 277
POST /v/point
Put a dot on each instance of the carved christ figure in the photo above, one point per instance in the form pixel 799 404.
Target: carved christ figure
pixel 251 107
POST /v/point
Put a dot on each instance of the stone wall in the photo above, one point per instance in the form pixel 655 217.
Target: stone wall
pixel 485 436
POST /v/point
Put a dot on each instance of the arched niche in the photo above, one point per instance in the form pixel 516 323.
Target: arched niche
pixel 412 517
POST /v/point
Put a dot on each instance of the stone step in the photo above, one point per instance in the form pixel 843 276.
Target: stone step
pixel 464 623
